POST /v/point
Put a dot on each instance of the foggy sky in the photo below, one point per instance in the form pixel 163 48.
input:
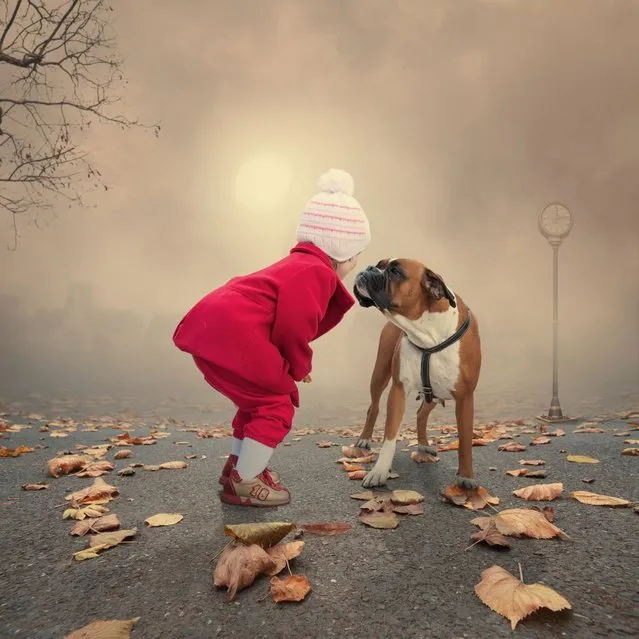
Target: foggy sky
pixel 459 121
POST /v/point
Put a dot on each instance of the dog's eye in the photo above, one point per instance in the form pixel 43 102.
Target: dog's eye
pixel 394 271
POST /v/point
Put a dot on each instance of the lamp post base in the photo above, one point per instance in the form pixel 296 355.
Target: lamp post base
pixel 563 419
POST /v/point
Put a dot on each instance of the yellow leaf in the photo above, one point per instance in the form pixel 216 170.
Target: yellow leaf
pixel 98 492
pixel 112 538
pixel 281 554
pixel 173 465
pixel 540 492
pixel 513 599
pixel 593 499
pixel 89 553
pixel 516 522
pixel 164 519
pixel 630 451
pixel 383 520
pixel 581 459
pixel 263 534
pixel 115 629
pixel 406 497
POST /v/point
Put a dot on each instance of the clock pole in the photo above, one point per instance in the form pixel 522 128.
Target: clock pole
pixel 555 223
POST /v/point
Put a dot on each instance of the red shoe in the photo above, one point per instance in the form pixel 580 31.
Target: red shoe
pixel 230 465
pixel 262 491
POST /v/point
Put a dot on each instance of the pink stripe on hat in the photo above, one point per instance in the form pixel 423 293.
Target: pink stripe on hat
pixel 334 217
pixel 331 230
pixel 335 204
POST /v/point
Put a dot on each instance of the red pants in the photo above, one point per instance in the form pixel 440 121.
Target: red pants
pixel 262 417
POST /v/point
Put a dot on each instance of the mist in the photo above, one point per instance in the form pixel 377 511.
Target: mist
pixel 459 122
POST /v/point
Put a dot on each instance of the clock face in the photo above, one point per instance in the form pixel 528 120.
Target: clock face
pixel 555 220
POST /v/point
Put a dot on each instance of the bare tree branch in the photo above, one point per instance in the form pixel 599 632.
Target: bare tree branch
pixel 63 73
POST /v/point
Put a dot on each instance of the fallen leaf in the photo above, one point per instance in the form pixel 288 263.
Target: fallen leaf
pixel 406 497
pixel 473 499
pixel 92 510
pixel 65 465
pixel 384 520
pixel 328 529
pixel 163 519
pixel 122 454
pixel 532 462
pixel 264 534
pixel 291 588
pixel 368 459
pixel 351 468
pixel 630 451
pixel 519 472
pixel 96 469
pixel 593 499
pixel 558 433
pixel 281 554
pixel 423 458
pixel 102 524
pixel 515 522
pixel 631 442
pixel 491 536
pixel 99 491
pixel 239 565
pixel 35 486
pixel 512 447
pixel 536 474
pixel 393 475
pixel 375 504
pixel 103 541
pixel 548 512
pixel 366 495
pixel 537 441
pixel 173 465
pixel 114 629
pixel 126 472
pixel 358 474
pixel 581 459
pixel 591 429
pixel 352 452
pixel 57 433
pixel 410 509
pixel 513 599
pixel 151 467
pixel 190 456
pixel 540 492
pixel 588 480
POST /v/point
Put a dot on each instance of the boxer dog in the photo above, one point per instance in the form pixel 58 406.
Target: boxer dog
pixel 431 346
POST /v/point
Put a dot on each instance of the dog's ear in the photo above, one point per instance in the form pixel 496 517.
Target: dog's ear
pixel 435 286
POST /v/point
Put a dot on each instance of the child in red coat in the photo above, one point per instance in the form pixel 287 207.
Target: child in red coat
pixel 250 337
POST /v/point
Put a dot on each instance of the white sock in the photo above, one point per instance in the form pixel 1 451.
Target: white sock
pixel 236 446
pixel 254 458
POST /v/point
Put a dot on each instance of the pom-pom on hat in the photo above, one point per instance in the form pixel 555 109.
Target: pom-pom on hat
pixel 333 219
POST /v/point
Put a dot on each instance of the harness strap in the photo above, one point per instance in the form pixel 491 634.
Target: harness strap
pixel 427 389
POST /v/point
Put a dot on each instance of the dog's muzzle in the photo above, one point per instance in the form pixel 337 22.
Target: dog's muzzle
pixel 371 288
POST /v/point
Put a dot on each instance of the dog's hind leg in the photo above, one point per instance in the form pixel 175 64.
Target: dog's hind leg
pixel 379 381
pixel 423 413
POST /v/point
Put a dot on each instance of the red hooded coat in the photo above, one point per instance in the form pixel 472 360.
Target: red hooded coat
pixel 257 328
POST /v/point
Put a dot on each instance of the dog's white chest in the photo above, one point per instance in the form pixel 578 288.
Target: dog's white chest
pixel 431 329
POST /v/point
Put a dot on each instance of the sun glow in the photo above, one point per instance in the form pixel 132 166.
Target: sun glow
pixel 263 182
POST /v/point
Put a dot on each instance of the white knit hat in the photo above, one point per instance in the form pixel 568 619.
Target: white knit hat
pixel 333 220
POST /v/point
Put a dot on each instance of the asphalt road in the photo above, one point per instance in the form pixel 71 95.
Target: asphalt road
pixel 414 581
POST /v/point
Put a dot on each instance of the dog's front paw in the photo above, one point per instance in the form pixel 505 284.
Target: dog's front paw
pixel 467 483
pixel 428 450
pixel 377 477
pixel 364 444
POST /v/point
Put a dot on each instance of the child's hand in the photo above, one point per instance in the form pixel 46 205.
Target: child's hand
pixel 307 380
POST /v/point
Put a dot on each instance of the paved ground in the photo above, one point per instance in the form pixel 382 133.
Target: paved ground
pixel 414 581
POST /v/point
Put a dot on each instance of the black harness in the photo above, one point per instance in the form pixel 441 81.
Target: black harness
pixel 427 389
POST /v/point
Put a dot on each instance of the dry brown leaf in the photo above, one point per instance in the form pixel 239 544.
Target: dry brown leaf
pixel 384 520
pixel 511 447
pixel 491 536
pixel 540 492
pixel 353 452
pixel 548 512
pixel 102 524
pixel 324 444
pixel 517 522
pixel 518 472
pixel 65 465
pixel 532 462
pixel 35 486
pixel 328 529
pixel 281 554
pixel 423 458
pixel 375 504
pixel 473 499
pixel 630 451
pixel 536 474
pixel 594 499
pixel 538 441
pixel 96 469
pixel 357 474
pixel 631 442
pixel 122 454
pixel 558 433
pixel 590 429
pixel 264 534
pixel 406 497
pixel 91 511
pixel 513 599
pixel 151 467
pixel 114 629
pixel 163 519
pixel 368 459
pixel 291 588
pixel 173 465
pixel 103 541
pixel 98 492
pixel 581 459
pixel 351 468
pixel 410 509
pixel 239 565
